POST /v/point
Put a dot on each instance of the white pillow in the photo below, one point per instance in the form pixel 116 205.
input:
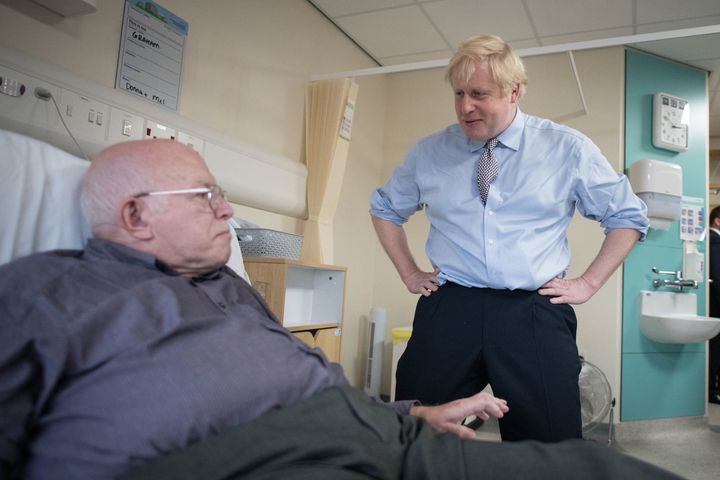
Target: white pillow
pixel 40 188
pixel 236 260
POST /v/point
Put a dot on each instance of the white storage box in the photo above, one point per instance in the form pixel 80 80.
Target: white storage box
pixel 263 242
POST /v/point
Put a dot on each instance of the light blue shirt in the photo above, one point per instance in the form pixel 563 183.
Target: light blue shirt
pixel 519 239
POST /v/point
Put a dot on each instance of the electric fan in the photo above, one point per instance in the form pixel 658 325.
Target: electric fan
pixel 596 399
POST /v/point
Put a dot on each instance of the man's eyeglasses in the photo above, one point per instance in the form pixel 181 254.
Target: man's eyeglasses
pixel 215 194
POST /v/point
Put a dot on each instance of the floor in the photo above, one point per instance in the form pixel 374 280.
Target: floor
pixel 689 447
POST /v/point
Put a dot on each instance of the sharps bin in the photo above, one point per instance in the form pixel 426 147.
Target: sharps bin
pixel 400 337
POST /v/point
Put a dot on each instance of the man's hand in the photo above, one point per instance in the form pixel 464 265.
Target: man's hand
pixel 615 247
pixel 573 291
pixel 422 282
pixel 448 417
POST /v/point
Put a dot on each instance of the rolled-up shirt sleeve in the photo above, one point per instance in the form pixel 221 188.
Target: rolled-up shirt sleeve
pixel 606 196
pixel 399 198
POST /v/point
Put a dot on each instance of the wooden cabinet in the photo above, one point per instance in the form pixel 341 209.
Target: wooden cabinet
pixel 307 298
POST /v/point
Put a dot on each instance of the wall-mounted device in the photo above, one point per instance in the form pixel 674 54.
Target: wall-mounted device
pixel 671 122
pixel 659 185
pixel 12 87
pixel 693 262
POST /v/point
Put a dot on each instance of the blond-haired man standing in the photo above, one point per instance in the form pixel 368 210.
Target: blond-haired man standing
pixel 499 189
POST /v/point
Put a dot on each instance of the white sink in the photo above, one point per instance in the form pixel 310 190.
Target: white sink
pixel 671 317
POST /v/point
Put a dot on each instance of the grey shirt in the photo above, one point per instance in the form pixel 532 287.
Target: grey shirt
pixel 109 358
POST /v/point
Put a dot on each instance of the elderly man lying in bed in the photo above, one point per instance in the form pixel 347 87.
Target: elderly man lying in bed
pixel 143 355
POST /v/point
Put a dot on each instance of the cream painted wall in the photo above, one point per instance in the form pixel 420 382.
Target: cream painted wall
pixel 420 102
pixel 247 66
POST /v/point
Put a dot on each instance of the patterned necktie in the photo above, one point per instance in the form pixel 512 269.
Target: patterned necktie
pixel 487 169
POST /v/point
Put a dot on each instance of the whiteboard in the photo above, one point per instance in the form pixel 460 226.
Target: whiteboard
pixel 151 53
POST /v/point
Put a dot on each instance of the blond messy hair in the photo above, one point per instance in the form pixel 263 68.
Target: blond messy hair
pixel 506 67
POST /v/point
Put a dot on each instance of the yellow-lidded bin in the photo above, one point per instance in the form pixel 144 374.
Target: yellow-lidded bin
pixel 400 337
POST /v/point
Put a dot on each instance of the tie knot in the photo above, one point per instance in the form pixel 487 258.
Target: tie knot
pixel 491 143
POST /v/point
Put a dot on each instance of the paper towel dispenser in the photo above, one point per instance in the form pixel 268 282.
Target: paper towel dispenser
pixel 659 185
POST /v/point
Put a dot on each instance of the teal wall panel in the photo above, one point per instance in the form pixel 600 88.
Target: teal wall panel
pixel 661 380
pixel 656 385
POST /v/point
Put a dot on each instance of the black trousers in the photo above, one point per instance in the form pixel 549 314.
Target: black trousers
pixel 517 341
pixel 340 434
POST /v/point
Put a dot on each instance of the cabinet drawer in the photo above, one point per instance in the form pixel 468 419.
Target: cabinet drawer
pixel 326 339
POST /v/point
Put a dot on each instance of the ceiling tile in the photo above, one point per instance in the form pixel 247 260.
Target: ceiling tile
pixel 557 17
pixel 520 44
pixel 458 20
pixel 335 8
pixel 649 11
pixel 398 31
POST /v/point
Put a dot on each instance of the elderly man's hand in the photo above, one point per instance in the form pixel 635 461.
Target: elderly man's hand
pixel 421 282
pixel 448 417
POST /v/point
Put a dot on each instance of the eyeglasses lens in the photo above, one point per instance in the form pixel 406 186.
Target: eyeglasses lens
pixel 216 195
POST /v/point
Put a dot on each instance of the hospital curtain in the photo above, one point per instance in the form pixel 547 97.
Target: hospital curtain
pixel 330 105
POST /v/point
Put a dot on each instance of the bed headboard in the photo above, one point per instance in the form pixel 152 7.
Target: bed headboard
pixel 99 116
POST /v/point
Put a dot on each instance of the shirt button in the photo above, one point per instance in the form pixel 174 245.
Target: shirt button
pixel 491 212
pixel 491 241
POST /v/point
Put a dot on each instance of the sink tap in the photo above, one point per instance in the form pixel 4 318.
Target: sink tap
pixel 679 282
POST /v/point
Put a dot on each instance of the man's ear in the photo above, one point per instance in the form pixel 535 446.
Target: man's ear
pixel 134 219
pixel 515 93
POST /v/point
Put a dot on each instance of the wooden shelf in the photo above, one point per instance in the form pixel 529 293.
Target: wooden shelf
pixel 307 298
pixel 287 261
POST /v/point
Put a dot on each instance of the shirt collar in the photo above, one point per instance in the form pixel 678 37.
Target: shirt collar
pixel 98 248
pixel 510 137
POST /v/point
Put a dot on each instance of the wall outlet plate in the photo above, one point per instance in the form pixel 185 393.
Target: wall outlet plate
pixel 158 130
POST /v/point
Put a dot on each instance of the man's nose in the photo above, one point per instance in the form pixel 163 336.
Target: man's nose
pixel 224 210
pixel 466 104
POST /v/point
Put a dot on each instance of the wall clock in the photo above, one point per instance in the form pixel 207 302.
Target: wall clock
pixel 671 122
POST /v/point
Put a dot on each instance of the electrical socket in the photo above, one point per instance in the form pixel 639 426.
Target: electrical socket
pixel 158 130
pixel 23 106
